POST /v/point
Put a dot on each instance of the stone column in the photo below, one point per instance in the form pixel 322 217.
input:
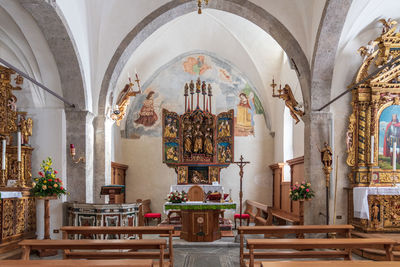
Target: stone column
pixel 80 175
pixel 102 161
pixel 317 127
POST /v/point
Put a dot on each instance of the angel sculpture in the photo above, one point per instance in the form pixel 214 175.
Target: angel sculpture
pixel 387 24
pixel 287 95
pixel 124 99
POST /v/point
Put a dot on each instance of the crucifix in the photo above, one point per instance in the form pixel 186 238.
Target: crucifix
pixel 241 164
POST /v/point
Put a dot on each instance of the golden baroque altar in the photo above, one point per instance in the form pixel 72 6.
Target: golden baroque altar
pixel 373 135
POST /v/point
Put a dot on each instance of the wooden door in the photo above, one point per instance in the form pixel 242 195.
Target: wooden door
pixel 118 174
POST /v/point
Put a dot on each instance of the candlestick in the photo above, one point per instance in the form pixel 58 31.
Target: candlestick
pixel 19 146
pixel 372 148
pixel 394 155
pixel 3 154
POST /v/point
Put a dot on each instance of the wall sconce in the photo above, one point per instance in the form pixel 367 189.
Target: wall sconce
pixel 73 153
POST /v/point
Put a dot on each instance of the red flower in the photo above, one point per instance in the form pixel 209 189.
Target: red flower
pixel 50 180
pixel 55 171
pixel 41 174
pixel 308 190
pixel 50 187
pixel 62 188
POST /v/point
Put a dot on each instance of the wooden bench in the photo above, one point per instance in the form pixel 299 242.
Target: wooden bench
pixel 74 263
pixel 295 219
pixel 259 215
pixel 159 244
pixel 345 246
pixel 299 230
pixel 329 263
pixel 68 231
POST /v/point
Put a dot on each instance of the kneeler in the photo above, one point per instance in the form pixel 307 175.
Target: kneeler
pixel 244 217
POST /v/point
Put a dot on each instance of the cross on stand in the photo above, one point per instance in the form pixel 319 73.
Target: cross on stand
pixel 241 165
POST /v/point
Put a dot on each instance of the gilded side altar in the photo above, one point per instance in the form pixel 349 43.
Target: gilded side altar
pixel 17 214
pixel 373 135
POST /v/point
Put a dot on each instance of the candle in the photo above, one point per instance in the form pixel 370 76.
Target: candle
pixel 3 154
pixel 372 148
pixel 19 146
pixel 72 150
pixel 394 155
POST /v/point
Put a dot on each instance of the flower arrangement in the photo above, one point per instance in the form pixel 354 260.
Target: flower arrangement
pixel 177 197
pixel 301 192
pixel 47 184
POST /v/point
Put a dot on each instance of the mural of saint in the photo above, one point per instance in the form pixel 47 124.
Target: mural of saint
pixel 389 136
pixel 244 122
pixel 195 65
pixel 147 115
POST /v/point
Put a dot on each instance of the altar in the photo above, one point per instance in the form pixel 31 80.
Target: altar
pixel 200 221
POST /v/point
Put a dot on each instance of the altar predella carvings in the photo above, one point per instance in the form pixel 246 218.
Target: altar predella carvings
pixel 198 143
pixel 372 138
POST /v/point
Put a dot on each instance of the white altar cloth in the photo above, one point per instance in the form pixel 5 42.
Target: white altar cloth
pixel 360 198
pixel 206 188
pixel 10 194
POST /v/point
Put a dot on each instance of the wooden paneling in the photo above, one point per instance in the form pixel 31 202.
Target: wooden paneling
pixel 277 173
pixel 118 174
pixel 285 200
pixel 297 175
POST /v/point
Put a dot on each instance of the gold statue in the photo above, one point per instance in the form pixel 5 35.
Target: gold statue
pixel 208 146
pixel 287 95
pixel 172 154
pixel 123 100
pixel 26 129
pixel 224 129
pixel 198 140
pixel 387 24
pixel 181 175
pixel 326 159
pixel 170 129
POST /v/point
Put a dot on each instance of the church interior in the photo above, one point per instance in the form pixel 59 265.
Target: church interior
pixel 200 133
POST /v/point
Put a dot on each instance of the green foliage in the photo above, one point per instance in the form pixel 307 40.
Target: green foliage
pixel 302 191
pixel 47 184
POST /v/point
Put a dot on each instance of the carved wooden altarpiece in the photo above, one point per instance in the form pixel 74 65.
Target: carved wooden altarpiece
pixel 373 136
pixel 198 143
pixel 17 215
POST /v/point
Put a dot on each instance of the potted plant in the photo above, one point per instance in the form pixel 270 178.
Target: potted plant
pixel 301 191
pixel 177 197
pixel 47 184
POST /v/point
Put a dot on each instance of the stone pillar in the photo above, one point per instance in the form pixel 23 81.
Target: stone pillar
pixel 317 127
pixel 80 175
pixel 102 161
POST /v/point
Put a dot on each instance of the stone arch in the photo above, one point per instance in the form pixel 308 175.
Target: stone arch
pixel 175 8
pixel 55 29
pixel 79 127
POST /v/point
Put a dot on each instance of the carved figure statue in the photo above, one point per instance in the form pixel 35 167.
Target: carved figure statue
pixel 287 95
pixel 170 128
pixel 375 214
pixel 349 140
pixel 12 103
pixel 181 175
pixel 326 155
pixel 387 24
pixel 198 140
pixel 26 129
pixel 208 147
pixel 197 178
pixel 224 129
pixel 123 101
pixel 172 154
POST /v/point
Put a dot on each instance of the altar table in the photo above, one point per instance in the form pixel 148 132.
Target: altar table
pixel 360 198
pixel 206 188
pixel 200 221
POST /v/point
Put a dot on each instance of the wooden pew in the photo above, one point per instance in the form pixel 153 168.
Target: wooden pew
pixel 65 244
pixel 259 215
pixel 67 231
pixel 345 246
pixel 74 263
pixel 299 230
pixel 329 263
